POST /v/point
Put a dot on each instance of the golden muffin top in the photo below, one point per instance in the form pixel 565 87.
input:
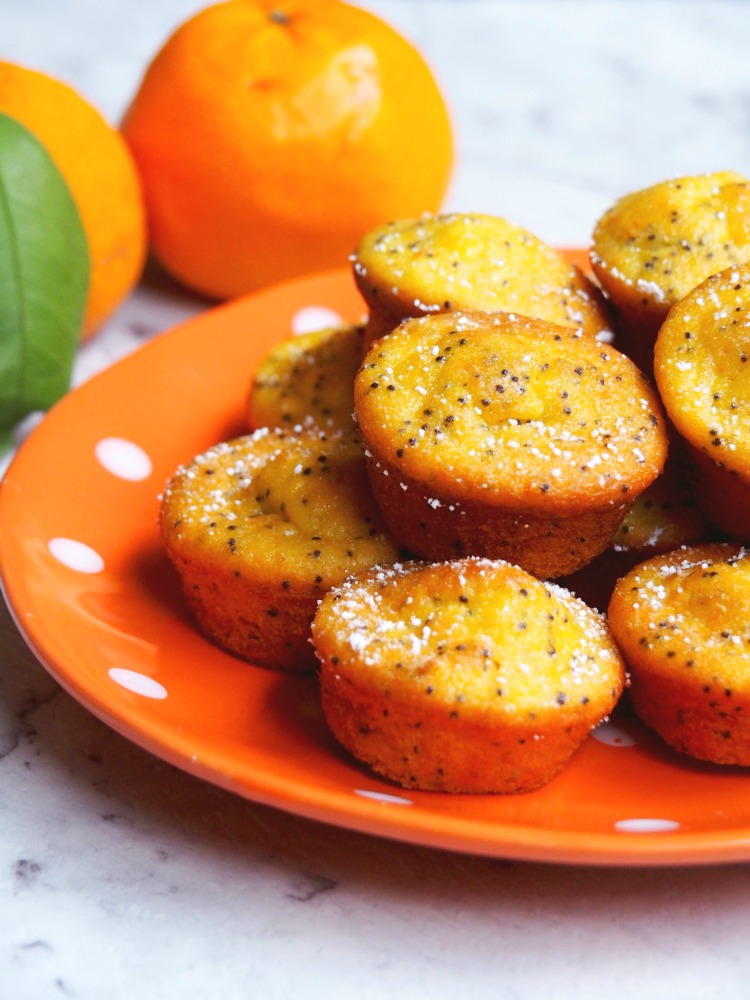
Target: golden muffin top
pixel 702 367
pixel 662 241
pixel 468 261
pixel 510 411
pixel 478 635
pixel 288 508
pixel 307 379
pixel 688 609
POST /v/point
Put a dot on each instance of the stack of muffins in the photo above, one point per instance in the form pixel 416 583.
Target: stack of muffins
pixel 422 494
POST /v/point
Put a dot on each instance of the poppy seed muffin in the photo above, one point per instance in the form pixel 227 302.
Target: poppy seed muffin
pixel 505 437
pixel 471 261
pixel 663 518
pixel 702 370
pixel 467 676
pixel 651 247
pixel 682 622
pixel 260 527
pixel 307 379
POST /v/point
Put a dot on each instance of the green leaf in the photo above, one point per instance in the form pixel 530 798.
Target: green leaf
pixel 44 275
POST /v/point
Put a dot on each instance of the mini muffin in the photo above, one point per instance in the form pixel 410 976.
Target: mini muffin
pixel 504 437
pixel 260 527
pixel 664 517
pixel 442 263
pixel 653 246
pixel 308 379
pixel 467 676
pixel 702 369
pixel 682 622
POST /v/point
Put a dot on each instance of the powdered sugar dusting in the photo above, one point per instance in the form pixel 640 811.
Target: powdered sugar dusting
pixel 476 630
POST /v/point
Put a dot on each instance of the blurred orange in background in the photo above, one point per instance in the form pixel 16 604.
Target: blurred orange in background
pixel 271 135
pixel 100 173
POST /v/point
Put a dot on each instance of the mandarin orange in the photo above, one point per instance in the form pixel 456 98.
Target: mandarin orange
pixel 98 168
pixel 270 134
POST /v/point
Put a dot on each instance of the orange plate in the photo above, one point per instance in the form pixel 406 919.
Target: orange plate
pixel 92 592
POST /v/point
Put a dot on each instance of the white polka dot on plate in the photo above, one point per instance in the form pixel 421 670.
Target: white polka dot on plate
pixel 123 458
pixel 75 555
pixel 612 735
pixel 646 825
pixel 396 800
pixel 313 318
pixel 138 683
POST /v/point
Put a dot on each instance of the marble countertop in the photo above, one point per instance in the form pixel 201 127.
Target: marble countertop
pixel 121 877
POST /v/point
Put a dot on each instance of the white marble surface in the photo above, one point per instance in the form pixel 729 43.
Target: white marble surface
pixel 122 878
